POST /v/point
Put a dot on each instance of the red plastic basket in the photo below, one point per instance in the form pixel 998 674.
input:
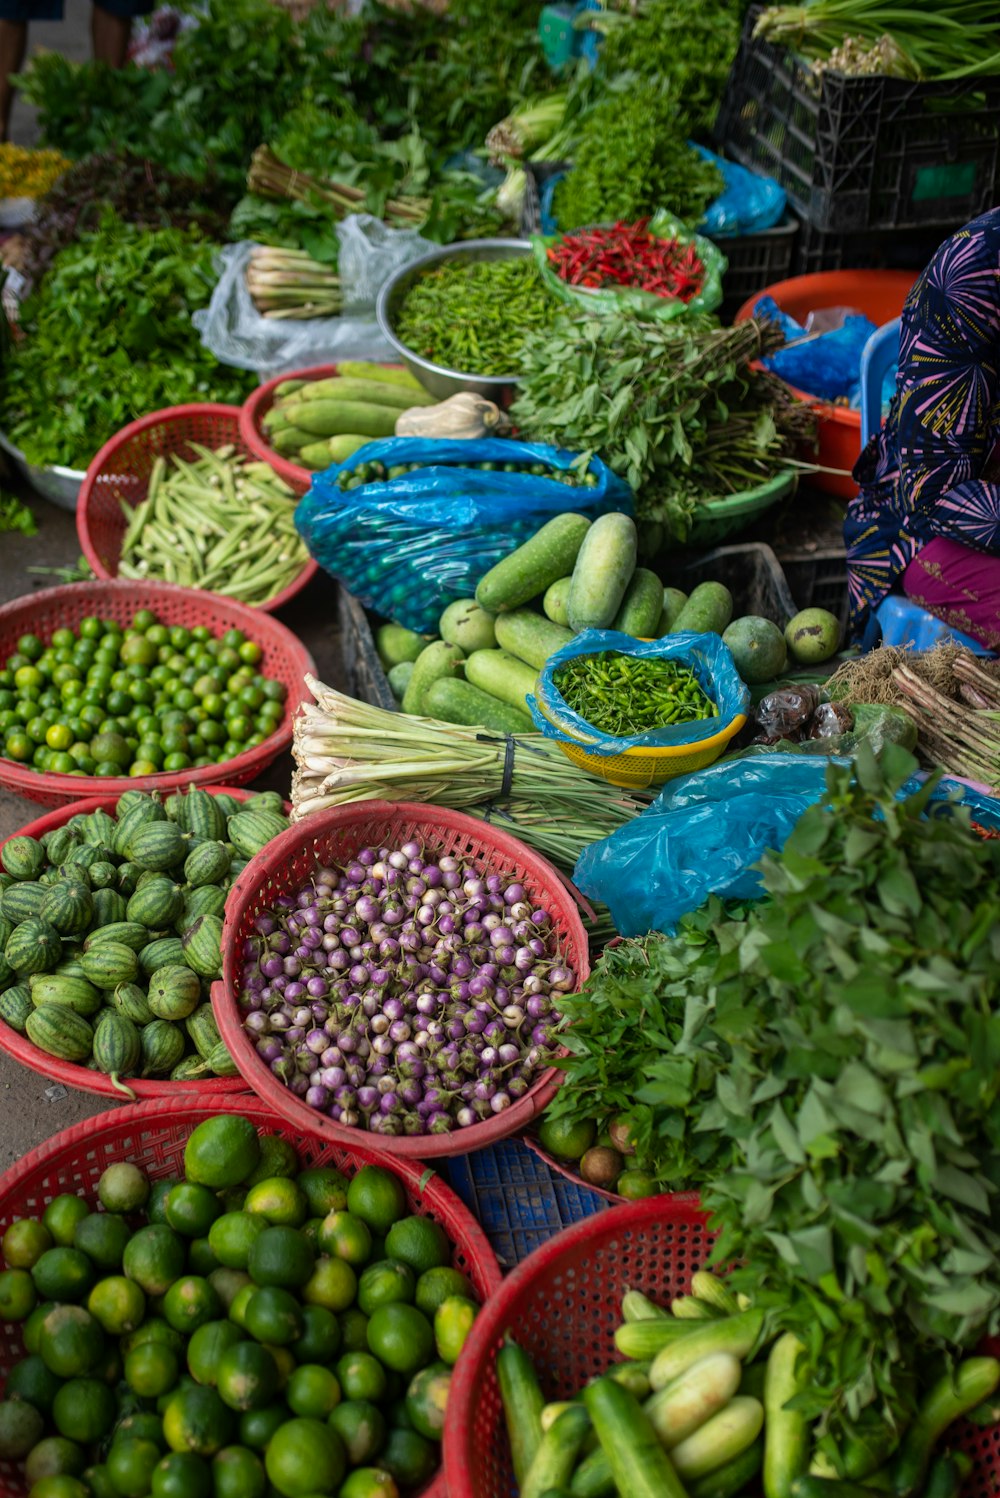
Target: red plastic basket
pixel 122 468
pixel 561 1304
pixel 284 659
pixel 256 407
pixel 333 837
pixel 152 1136
pixel 568 1173
pixel 81 1077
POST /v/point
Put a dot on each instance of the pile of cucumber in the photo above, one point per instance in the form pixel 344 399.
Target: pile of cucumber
pixel 704 1408
pixel 573 574
pixel 316 423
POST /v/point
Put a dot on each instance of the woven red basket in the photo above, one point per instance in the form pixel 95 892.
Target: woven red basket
pixel 284 659
pixel 561 1304
pixel 256 407
pixel 332 838
pixel 563 1168
pixel 152 1136
pixel 122 468
pixel 81 1077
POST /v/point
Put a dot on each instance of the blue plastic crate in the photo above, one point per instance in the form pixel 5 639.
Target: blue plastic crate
pixel 519 1201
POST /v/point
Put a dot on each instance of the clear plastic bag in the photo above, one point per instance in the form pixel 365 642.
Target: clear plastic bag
pixel 237 334
pixel 824 364
pixel 748 204
pixel 705 655
pixel 409 546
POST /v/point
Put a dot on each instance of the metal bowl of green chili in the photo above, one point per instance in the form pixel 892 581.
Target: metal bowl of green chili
pixel 458 316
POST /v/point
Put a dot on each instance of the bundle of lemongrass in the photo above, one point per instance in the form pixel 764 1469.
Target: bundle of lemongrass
pixel 962 736
pixel 290 284
pixel 347 751
pixel 270 177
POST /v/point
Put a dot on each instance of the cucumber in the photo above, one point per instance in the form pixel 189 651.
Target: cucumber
pixel 465 623
pixel 454 701
pixel 673 601
pixel 530 637
pixel 947 1475
pixel 631 1376
pixel 727 1481
pixel 551 1413
pixel 368 392
pixel 646 1339
pixel 708 610
pixel 399 678
pixel 974 1380
pixel 810 1486
pixel 502 675
pixel 433 662
pixel 523 1402
pixel 326 451
pixel 735 1334
pixel 639 1465
pixel 786 1441
pixel 721 1439
pixel 396 644
pixel 558 1450
pixel 290 441
pixel 555 601
pixel 641 607
pixel 602 572
pixel 386 374
pixel 709 1288
pixel 690 1308
pixel 334 418
pixel 547 556
pixel 684 1406
pixel 639 1307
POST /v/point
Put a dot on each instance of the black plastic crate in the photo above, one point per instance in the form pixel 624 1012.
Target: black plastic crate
pixel 862 153
pixel 756 261
pixel 363 673
pixel 751 572
pixel 886 250
pixel 818 580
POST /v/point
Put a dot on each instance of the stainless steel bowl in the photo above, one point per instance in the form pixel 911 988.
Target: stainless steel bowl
pixel 438 378
pixel 61 486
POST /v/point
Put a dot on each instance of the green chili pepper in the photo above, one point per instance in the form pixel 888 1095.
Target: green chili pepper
pixel 624 695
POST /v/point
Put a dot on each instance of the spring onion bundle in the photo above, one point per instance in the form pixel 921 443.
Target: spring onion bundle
pixel 291 284
pixel 950 39
pixel 527 129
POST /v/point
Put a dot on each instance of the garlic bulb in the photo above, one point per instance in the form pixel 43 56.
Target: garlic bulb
pixel 460 416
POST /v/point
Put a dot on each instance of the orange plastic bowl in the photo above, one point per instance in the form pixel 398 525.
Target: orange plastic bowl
pixel 880 295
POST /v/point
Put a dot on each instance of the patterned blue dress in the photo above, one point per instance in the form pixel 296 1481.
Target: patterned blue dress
pixel 933 468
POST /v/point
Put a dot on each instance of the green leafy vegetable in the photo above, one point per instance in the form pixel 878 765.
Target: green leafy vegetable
pixel 684 46
pixel 16 516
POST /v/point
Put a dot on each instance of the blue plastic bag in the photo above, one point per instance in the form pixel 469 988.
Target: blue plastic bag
pixel 706 655
pixel 748 204
pixel 827 365
pixel 409 546
pixel 705 832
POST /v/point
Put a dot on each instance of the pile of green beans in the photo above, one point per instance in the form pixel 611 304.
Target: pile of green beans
pixel 218 521
pixel 623 695
pixel 474 316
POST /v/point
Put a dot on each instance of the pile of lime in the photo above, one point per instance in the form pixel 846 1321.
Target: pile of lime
pixel 253 1330
pixel 601 1151
pixel 108 700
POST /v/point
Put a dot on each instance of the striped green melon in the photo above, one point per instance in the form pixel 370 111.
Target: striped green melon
pixel 109 906
pixel 142 813
pixel 129 875
pixel 110 963
pixel 69 907
pixel 70 965
pixel 249 831
pixel 98 829
pixel 206 864
pixel 59 844
pixel 174 992
pixel 58 988
pixel 23 857
pixel 103 875
pixel 87 854
pixel 156 903
pixel 128 799
pixel 33 947
pixel 129 999
pixel 129 933
pixel 117 1047
pixel 265 801
pixel 220 1062
pixel 158 846
pixel 209 899
pixel 190 1069
pixel 15 1006
pixel 165 951
pixel 6 927
pixel 203 816
pixel 202 944
pixel 20 901
pixel 203 1030
pixel 174 808
pixel 60 1031
pixel 162 1047
pixel 228 805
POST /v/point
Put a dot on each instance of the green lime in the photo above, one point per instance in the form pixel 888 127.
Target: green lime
pixel 361 1376
pixel 566 1140
pixel 151 1369
pixel 312 1391
pixel 279 1200
pixel 383 1283
pixel 258 1426
pixel 273 1315
pixel 361 1426
pixel 157 1204
pixel 408 1457
pixel 427 1398
pixel 71 1341
pixel 201 1259
pixel 369 1482
pixel 221 1151
pixel 377 1197
pixel 353 1330
pixel 191 1209
pixel 154 1258
pixel 633 1185
pixel 182 1475
pixel 24 1242
pixel 277 1158
pixel 232 1236
pixel 18 1296
pixel 305 1457
pixel 102 1237
pixel 31 1381
pixel 247 1376
pixel 130 1466
pixel 189 1303
pixel 240 1301
pixel 118 1304
pixel 32 1328
pixel 153 1329
pixel 438 1285
pixel 196 1420
pixel 238 1473
pixel 320 1339
pixel 207 1346
pixel 54 1457
pixel 123 1188
pixel 84 1410
pixel 21 1428
pixel 63 1274
pixel 401 1337
pixel 333 1284
pixel 140 1425
pixel 420 1242
pixel 345 1237
pixel 281 1256
pixel 452 1324
pixel 227 1283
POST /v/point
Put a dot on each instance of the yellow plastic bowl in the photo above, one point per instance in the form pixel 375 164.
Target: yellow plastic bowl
pixel 636 769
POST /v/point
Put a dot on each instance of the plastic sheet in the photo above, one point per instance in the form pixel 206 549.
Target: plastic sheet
pixel 705 832
pixel 824 364
pixel 237 334
pixel 705 654
pixel 409 546
pixel 748 204
pixel 631 298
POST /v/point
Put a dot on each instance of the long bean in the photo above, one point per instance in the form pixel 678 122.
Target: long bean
pixel 215 520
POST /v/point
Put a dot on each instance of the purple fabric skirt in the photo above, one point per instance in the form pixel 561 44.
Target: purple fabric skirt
pixel 959 585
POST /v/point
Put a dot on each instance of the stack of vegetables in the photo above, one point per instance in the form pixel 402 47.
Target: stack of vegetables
pixel 319 423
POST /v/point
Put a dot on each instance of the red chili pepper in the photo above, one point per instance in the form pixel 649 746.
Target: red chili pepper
pixel 628 255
